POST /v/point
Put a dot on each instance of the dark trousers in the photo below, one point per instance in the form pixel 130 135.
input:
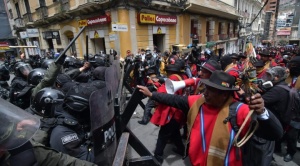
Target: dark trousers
pixel 170 131
pixel 291 140
pixel 147 111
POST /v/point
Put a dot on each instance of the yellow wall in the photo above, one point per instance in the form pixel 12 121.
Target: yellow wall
pixel 172 35
pixel 125 39
pixel 184 29
pixel 72 3
pixel 142 35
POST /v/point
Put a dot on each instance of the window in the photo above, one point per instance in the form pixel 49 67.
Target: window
pixel 42 3
pixel 18 10
pixel 27 6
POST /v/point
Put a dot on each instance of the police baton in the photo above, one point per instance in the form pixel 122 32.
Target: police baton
pixel 70 44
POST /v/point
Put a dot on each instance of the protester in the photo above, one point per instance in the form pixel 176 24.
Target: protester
pixel 205 138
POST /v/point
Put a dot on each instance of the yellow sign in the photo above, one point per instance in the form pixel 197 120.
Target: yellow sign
pixel 82 23
pixel 147 18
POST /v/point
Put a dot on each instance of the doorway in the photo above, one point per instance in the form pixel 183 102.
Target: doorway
pixel 50 44
pixel 159 41
pixel 99 45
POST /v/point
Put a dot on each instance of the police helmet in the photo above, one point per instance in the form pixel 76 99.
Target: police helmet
pixel 22 69
pixel 46 63
pixel 4 73
pixel 35 76
pixel 45 101
pixel 69 61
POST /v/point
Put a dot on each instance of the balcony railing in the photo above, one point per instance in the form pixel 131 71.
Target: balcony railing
pixel 65 7
pixel 223 37
pixel 27 18
pixel 42 12
pixel 19 22
pixel 244 14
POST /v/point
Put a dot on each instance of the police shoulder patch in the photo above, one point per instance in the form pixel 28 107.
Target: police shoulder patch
pixel 69 138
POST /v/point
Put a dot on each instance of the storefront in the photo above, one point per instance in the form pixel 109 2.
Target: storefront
pixel 30 37
pixel 160 28
pixel 97 30
pixel 49 36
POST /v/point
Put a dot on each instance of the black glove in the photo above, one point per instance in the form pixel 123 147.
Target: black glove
pixel 61 59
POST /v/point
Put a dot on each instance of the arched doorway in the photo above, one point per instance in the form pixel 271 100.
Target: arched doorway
pixel 70 36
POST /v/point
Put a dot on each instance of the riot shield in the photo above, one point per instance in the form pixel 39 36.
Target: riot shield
pixel 17 126
pixel 112 80
pixel 103 126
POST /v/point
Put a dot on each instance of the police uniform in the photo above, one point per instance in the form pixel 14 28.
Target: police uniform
pixel 70 137
pixel 36 154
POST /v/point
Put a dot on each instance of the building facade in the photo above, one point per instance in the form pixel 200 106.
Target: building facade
pixel 271 9
pixel 131 25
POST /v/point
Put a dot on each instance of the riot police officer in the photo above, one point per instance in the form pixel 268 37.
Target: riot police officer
pixel 73 117
pixel 4 77
pixel 16 148
pixel 72 135
pixel 21 70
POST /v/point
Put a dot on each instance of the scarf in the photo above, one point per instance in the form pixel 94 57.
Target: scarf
pixel 220 137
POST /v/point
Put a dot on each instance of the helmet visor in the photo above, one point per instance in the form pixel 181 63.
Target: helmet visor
pixel 25 69
pixel 18 126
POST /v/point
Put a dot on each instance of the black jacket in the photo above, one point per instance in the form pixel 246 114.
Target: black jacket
pixel 276 100
pixel 269 129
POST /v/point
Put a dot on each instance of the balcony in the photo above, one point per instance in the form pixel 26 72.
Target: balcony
pixel 19 23
pixel 244 14
pixel 223 37
pixel 213 8
pixel 42 12
pixel 27 18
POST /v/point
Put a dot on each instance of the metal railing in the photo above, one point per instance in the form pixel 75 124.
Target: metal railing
pixel 42 12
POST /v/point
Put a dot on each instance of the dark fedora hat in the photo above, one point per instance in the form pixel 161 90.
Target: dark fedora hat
pixel 241 55
pixel 150 71
pixel 259 63
pixel 173 67
pixel 234 56
pixel 221 80
pixel 265 52
pixel 211 66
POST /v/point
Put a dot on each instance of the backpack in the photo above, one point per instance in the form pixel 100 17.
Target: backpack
pixel 292 114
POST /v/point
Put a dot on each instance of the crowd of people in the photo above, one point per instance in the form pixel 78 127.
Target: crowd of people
pixel 47 120
pixel 222 83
